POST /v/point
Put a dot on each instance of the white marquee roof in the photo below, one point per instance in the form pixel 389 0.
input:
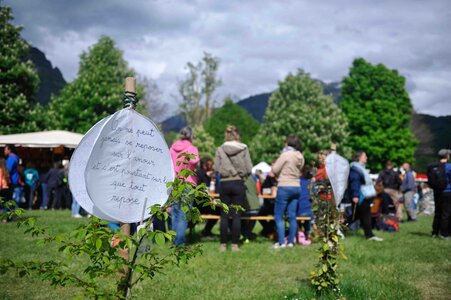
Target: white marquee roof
pixel 44 139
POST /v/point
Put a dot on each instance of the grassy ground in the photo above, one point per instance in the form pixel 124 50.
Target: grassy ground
pixel 407 265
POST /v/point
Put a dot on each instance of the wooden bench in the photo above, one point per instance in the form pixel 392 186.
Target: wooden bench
pixel 253 218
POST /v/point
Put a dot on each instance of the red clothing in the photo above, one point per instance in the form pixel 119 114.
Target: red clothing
pixel 184 146
pixel 3 181
pixel 321 173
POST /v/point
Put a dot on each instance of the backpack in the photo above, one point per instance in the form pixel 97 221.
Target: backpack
pixel 437 176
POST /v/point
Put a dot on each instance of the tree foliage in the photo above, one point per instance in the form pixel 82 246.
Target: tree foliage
pixel 204 142
pixel 379 110
pixel 112 257
pixel 231 113
pixel 18 79
pixel 197 90
pixel 93 95
pixel 299 107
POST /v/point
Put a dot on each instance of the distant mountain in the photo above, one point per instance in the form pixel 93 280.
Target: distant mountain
pixel 174 123
pixel 51 79
pixel 256 105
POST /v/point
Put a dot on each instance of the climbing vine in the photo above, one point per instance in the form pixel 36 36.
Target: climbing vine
pixel 325 278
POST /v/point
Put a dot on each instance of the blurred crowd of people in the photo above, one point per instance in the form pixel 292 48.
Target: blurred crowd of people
pixel 284 191
pixel 33 185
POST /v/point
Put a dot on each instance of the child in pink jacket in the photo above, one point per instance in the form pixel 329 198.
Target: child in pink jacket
pixel 183 145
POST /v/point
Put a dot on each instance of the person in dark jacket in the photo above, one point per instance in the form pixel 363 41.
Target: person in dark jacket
pixel 441 224
pixel 233 162
pixel 44 179
pixel 392 182
pixel 53 180
pixel 361 193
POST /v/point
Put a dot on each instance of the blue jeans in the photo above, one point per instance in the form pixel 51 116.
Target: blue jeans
pixel 45 197
pixel 179 224
pixel 33 189
pixel 286 200
pixel 18 191
pixel 75 207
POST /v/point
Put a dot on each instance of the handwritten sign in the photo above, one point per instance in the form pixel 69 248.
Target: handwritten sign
pixel 77 168
pixel 129 167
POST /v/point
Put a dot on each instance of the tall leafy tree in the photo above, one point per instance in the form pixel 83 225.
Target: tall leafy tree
pixel 379 110
pixel 299 107
pixel 204 142
pixel 96 92
pixel 197 90
pixel 18 79
pixel 231 113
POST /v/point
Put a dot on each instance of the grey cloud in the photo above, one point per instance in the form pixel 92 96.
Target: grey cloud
pixel 258 42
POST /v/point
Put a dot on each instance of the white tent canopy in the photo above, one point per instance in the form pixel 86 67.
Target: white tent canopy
pixel 264 167
pixel 44 139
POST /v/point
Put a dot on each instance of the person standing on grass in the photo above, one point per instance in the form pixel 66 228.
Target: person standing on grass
pixel 392 182
pixel 438 180
pixel 233 163
pixel 362 193
pixel 183 145
pixel 305 207
pixel 32 181
pixel 288 170
pixel 12 163
pixel 44 178
pixel 5 181
pixel 444 199
pixel 408 189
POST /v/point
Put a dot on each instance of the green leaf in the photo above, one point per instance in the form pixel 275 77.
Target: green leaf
pixel 98 244
pixel 159 238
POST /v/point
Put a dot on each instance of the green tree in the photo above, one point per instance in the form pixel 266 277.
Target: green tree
pixel 300 107
pixel 197 90
pixel 93 95
pixel 204 142
pixel 18 79
pixel 231 113
pixel 379 110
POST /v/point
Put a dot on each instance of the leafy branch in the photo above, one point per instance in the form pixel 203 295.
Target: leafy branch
pixel 100 249
pixel 326 278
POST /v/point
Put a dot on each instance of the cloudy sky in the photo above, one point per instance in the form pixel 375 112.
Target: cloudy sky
pixel 257 41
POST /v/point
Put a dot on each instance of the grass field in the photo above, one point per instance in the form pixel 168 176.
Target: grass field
pixel 407 265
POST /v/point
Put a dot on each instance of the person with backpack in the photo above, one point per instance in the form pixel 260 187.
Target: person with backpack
pixel 439 179
pixel 288 170
pixel 233 163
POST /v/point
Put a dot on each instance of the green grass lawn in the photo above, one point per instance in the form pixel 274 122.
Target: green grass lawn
pixel 407 265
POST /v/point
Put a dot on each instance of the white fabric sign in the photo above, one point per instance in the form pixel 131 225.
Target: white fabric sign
pixel 77 169
pixel 337 169
pixel 129 167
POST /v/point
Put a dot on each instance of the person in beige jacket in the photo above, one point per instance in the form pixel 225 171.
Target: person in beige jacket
pixel 288 170
pixel 234 164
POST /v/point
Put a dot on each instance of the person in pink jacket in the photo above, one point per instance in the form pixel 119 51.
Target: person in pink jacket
pixel 183 145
